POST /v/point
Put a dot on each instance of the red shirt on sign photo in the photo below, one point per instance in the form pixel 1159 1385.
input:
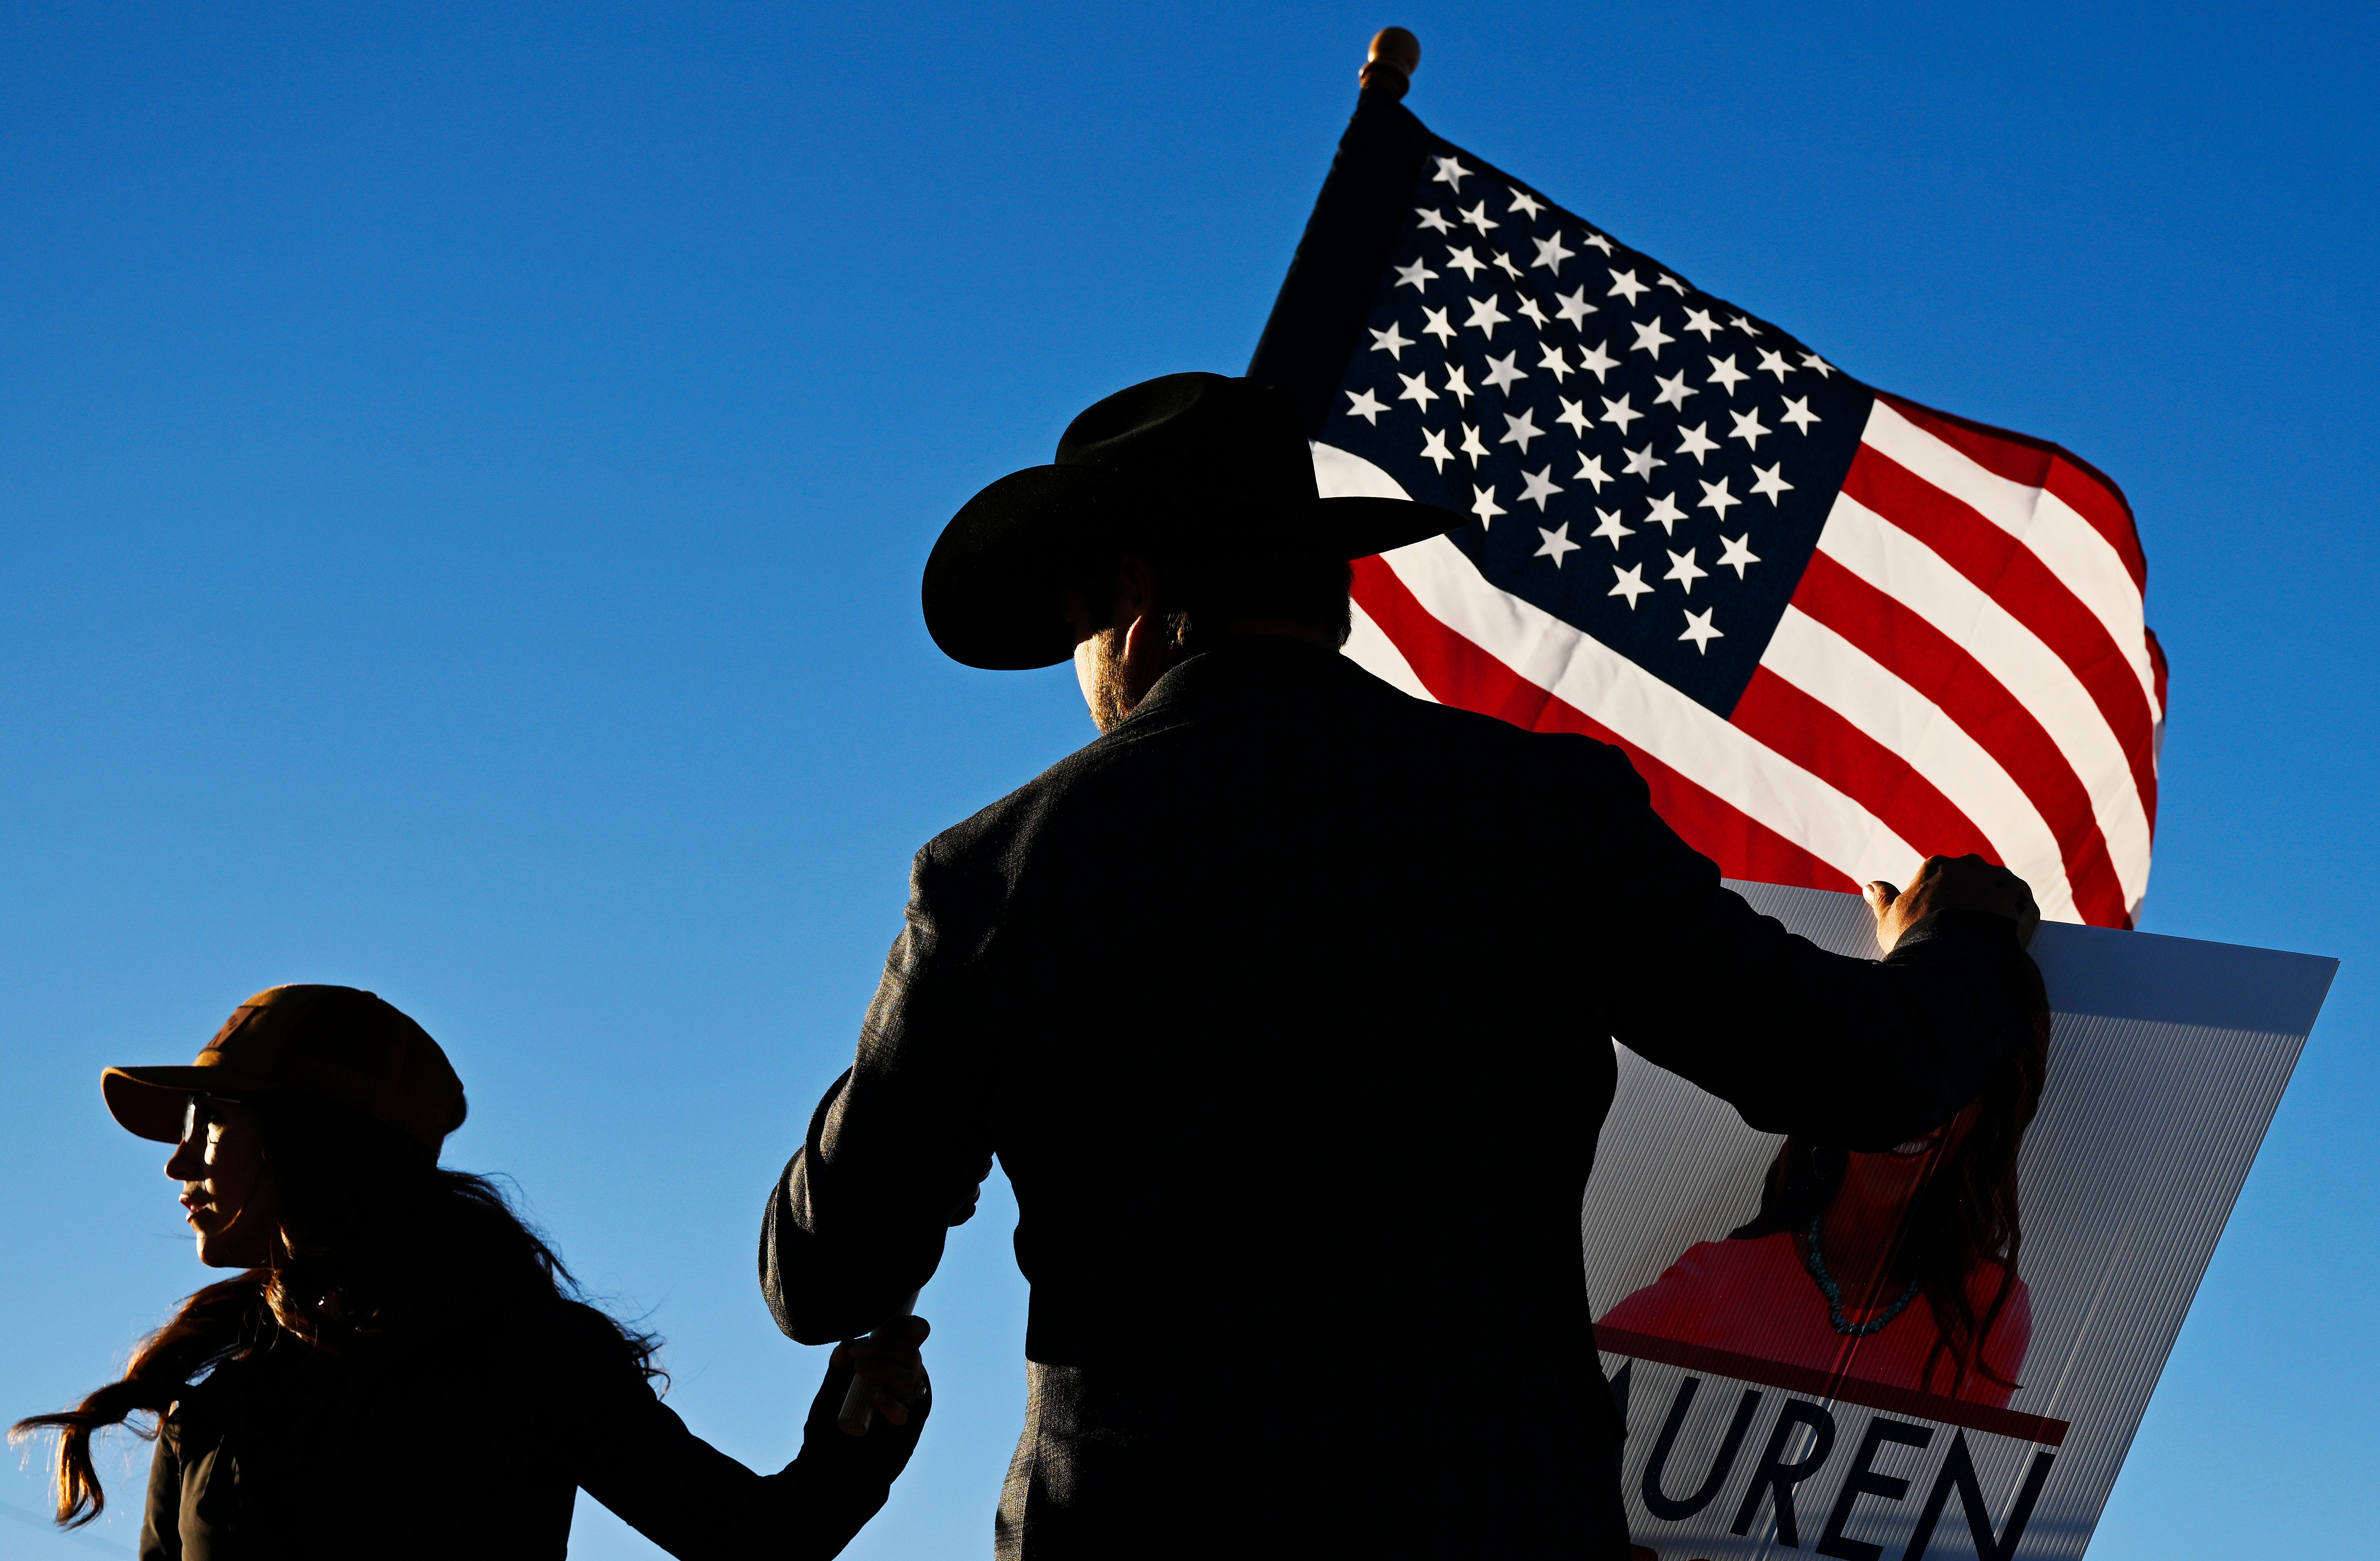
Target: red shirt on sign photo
pixel 1753 1296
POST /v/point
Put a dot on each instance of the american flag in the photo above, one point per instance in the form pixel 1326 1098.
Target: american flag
pixel 1836 631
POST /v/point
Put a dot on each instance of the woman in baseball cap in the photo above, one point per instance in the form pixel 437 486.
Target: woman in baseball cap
pixel 403 1367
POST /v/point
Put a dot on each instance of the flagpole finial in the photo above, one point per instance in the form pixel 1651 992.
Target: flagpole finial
pixel 1395 56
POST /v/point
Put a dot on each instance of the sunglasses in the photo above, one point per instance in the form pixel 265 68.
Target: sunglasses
pixel 199 1111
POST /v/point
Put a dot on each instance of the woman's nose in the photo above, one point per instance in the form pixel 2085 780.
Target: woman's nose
pixel 187 1162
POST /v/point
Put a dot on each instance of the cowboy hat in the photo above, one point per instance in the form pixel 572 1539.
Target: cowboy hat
pixel 1189 466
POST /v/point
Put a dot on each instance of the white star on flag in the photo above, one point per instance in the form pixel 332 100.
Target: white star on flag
pixel 1449 172
pixel 1767 482
pixel 1390 341
pixel 1366 406
pixel 1550 253
pixel 1556 544
pixel 1665 510
pixel 1519 430
pixel 1416 391
pixel 1674 390
pixel 1697 444
pixel 1590 469
pixel 1716 497
pixel 1435 222
pixel 1550 359
pixel 1597 361
pixel 1477 217
pixel 1522 201
pixel 1470 445
pixel 1725 374
pixel 1699 320
pixel 1684 570
pixel 1619 411
pixel 1437 324
pixel 1484 506
pixel 1502 373
pixel 1415 276
pixel 1487 316
pixel 1631 584
pixel 1737 554
pixel 1608 527
pixel 1699 630
pixel 1538 486
pixel 1575 307
pixel 1625 285
pixel 1458 387
pixel 1748 427
pixel 1641 461
pixel 1464 260
pixel 1434 450
pixel 1773 363
pixel 1651 338
pixel 1574 416
pixel 1798 413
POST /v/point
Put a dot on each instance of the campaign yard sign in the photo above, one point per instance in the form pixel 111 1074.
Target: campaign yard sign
pixel 1777 1402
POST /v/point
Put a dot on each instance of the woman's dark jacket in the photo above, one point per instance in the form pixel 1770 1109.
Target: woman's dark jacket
pixel 477 1446
pixel 1287 1006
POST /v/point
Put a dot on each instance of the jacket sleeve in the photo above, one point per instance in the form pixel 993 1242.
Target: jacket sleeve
pixel 897 1151
pixel 638 1458
pixel 1858 1053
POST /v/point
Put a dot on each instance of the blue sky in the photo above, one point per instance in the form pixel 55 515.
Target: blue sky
pixel 464 473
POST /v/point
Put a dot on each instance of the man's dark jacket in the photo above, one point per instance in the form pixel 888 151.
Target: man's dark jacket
pixel 1287 1006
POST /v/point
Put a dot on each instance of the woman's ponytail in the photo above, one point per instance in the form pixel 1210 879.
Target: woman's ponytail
pixel 209 1325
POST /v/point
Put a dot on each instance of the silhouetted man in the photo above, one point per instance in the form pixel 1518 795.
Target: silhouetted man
pixel 1286 1005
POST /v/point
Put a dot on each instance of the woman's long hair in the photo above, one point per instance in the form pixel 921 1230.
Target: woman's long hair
pixel 379 1241
pixel 1965 1214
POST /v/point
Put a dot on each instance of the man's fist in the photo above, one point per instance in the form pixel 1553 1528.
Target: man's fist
pixel 1954 883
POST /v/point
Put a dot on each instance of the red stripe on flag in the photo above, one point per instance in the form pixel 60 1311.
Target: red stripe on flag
pixel 2013 576
pixel 1815 737
pixel 1458 672
pixel 2037 463
pixel 1899 638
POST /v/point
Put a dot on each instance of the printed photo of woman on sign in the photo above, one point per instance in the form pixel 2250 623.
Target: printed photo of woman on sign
pixel 1899 1268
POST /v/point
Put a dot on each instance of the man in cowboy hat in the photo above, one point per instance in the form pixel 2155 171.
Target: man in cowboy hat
pixel 1286 1006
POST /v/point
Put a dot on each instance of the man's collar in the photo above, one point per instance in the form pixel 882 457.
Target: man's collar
pixel 1237 662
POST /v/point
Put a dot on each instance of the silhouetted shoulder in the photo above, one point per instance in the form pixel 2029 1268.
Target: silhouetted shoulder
pixel 1238 712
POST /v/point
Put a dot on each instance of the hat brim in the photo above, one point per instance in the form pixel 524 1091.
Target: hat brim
pixel 147 1102
pixel 995 585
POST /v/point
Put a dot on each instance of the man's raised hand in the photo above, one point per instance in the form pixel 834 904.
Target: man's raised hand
pixel 1950 883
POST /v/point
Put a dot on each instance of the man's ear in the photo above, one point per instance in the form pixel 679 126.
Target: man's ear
pixel 1136 592
pixel 1135 611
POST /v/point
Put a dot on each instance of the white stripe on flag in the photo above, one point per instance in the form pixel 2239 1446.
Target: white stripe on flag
pixel 1841 676
pixel 1370 647
pixel 2070 546
pixel 1913 575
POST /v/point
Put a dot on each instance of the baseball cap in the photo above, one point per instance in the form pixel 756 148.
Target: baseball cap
pixel 331 1042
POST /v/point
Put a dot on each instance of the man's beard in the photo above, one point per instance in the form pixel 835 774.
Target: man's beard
pixel 1107 696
